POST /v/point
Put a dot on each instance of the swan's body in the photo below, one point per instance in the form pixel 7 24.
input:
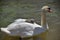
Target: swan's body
pixel 25 29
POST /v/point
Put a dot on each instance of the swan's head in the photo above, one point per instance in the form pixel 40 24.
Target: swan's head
pixel 46 8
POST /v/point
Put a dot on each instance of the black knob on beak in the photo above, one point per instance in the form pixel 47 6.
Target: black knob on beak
pixel 49 8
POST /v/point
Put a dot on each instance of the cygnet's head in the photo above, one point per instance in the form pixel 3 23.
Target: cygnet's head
pixel 30 20
pixel 46 8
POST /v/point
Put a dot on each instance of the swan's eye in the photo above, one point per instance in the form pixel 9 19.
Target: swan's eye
pixel 49 8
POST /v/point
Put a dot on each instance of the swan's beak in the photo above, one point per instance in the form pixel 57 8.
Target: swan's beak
pixel 49 10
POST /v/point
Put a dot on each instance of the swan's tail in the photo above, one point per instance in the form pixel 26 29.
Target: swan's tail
pixel 5 30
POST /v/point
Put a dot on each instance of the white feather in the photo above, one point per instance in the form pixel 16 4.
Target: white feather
pixel 23 29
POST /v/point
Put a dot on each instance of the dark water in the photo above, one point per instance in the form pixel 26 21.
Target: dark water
pixel 14 9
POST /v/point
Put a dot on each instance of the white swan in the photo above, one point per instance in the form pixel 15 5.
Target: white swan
pixel 26 29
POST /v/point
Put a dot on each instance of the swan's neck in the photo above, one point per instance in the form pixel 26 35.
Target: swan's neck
pixel 43 20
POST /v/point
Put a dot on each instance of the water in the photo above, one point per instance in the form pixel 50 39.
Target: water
pixel 11 10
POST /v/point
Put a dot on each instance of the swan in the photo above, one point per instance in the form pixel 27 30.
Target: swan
pixel 26 28
pixel 22 27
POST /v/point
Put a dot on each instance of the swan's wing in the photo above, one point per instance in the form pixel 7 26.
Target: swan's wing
pixel 26 25
pixel 20 20
pixel 12 26
pixel 22 29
